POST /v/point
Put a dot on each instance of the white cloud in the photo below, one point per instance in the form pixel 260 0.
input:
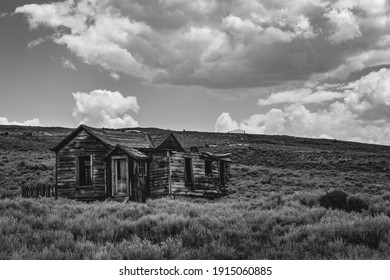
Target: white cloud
pixel 345 26
pixel 362 114
pixel 369 97
pixel 66 63
pixel 217 44
pixel 336 122
pixel 105 108
pixel 32 122
pixel 225 123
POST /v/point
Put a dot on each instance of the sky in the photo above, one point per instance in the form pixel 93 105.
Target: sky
pixel 317 68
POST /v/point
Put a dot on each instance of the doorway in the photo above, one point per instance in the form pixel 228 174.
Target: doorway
pixel 120 177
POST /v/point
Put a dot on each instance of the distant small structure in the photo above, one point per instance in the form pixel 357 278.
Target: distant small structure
pixel 95 164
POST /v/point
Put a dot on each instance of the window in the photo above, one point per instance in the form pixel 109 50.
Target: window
pixel 142 168
pixel 222 178
pixel 188 170
pixel 84 169
pixel 208 167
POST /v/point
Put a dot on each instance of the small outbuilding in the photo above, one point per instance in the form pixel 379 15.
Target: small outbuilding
pixel 98 163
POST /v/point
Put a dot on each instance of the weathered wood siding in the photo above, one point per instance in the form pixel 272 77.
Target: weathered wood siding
pixel 159 174
pixel 140 190
pixel 202 183
pixel 81 145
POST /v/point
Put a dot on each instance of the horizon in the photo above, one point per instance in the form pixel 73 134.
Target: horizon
pixel 197 131
pixel 311 69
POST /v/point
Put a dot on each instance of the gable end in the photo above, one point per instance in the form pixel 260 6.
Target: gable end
pixel 170 143
pixel 73 134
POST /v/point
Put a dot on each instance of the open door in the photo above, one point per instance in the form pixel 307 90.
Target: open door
pixel 120 177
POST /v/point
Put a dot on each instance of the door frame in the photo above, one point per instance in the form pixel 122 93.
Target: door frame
pixel 113 175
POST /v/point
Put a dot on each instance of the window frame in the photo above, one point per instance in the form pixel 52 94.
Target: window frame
pixel 82 159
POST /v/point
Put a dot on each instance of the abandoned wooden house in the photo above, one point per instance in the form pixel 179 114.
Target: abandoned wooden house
pixel 97 163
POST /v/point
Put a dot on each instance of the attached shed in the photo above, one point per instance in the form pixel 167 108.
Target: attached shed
pixel 96 164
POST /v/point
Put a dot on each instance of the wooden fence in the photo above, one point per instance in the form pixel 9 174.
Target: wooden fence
pixel 39 190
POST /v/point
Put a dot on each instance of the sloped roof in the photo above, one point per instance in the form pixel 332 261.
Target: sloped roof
pixel 212 156
pixel 134 153
pixel 160 138
pixel 130 139
pixel 162 141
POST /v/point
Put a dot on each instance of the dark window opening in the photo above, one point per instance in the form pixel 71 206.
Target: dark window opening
pixel 222 180
pixel 85 171
pixel 188 170
pixel 208 167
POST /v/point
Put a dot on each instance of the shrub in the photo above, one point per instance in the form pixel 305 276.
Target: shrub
pixel 335 200
pixel 356 204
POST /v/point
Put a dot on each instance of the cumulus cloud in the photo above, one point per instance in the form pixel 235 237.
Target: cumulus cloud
pixel 32 122
pixel 344 26
pixel 104 108
pixel 225 123
pixel 361 115
pixel 369 97
pixel 216 44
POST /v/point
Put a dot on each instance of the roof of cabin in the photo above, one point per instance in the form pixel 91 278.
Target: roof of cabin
pixel 221 157
pixel 160 141
pixel 131 152
pixel 126 139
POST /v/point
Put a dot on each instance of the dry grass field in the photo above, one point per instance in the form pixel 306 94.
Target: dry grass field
pixel 274 210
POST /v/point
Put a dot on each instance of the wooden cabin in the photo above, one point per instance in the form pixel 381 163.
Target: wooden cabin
pixel 97 163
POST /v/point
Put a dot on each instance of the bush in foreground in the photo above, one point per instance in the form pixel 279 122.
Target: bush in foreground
pixel 335 200
pixel 356 204
pixel 340 200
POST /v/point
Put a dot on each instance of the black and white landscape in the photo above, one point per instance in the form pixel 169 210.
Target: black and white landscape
pixel 274 114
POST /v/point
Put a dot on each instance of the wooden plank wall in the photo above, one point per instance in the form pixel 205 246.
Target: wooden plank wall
pixel 159 174
pixel 81 145
pixel 203 183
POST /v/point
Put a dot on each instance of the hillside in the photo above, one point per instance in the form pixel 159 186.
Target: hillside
pixel 297 162
pixel 273 211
